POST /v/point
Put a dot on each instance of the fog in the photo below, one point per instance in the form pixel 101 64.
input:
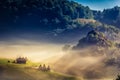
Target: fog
pixel 87 63
pixel 35 51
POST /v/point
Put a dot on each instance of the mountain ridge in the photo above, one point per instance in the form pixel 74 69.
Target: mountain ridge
pixel 52 18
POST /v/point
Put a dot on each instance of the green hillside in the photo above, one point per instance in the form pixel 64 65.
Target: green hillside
pixel 11 71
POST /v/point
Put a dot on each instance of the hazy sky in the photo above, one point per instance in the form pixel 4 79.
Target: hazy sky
pixel 99 4
pixel 33 50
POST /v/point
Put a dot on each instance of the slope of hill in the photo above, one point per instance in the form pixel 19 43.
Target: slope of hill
pixel 11 71
pixel 51 19
pixel 94 38
pixel 42 13
pixel 109 16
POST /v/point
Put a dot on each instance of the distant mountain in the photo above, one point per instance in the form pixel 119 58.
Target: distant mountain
pixel 94 38
pixel 55 20
pixel 109 16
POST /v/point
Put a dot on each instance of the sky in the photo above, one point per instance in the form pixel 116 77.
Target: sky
pixel 99 4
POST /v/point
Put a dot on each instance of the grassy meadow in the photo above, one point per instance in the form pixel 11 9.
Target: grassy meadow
pixel 28 71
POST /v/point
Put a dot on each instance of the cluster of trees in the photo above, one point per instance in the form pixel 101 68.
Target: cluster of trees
pixel 94 38
pixel 109 16
pixel 44 68
pixel 52 13
pixel 19 60
pixel 41 12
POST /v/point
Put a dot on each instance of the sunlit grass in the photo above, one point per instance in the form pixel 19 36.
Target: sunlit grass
pixel 13 71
